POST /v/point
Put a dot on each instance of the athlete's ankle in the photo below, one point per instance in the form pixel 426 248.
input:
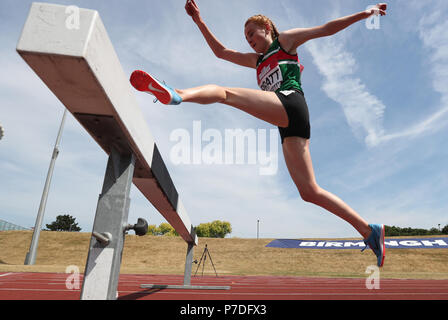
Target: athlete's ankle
pixel 180 92
pixel 366 232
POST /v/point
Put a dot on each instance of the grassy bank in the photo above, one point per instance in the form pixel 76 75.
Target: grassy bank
pixel 166 255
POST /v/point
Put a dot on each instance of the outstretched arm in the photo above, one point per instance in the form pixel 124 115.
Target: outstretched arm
pixel 220 51
pixel 293 38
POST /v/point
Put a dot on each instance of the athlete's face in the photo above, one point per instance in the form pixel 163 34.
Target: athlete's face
pixel 258 37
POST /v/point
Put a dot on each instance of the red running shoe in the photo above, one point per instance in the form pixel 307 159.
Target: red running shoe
pixel 142 81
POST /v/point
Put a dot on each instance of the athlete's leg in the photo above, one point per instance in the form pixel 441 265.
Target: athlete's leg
pixel 261 104
pixel 298 160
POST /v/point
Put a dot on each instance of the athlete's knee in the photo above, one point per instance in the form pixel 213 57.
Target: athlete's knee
pixel 219 92
pixel 311 193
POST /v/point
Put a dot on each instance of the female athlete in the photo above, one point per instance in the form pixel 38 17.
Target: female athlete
pixel 281 101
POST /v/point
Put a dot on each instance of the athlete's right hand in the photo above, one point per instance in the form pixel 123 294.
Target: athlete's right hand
pixel 379 9
pixel 193 10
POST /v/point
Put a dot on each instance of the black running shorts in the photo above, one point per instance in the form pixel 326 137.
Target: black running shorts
pixel 297 110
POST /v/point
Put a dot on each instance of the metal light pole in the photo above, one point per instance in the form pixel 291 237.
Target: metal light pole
pixel 31 255
pixel 258 228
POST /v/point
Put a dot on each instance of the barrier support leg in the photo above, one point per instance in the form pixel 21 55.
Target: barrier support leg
pixel 187 277
pixel 188 264
pixel 106 246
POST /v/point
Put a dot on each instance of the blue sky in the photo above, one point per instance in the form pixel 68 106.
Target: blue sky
pixel 378 103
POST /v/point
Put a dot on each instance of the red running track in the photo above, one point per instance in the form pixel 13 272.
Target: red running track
pixel 52 286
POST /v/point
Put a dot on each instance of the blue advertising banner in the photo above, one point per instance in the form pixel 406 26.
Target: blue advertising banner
pixel 420 243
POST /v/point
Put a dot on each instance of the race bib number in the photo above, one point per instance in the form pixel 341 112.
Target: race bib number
pixel 269 76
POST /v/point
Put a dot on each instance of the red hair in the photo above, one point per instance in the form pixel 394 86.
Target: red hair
pixel 264 22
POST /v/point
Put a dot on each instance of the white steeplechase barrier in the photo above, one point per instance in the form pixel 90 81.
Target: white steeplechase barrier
pixel 79 65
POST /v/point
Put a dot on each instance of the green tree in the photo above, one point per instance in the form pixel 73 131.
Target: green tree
pixel 445 229
pixel 219 229
pixel 165 229
pixel 215 229
pixel 392 231
pixel 203 230
pixel 396 231
pixel 64 223
pixel 434 231
pixel 153 230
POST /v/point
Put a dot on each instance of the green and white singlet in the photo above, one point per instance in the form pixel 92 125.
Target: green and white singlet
pixel 277 70
pixel 280 72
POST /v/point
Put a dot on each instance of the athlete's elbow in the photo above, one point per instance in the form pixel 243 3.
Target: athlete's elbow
pixel 219 54
pixel 329 30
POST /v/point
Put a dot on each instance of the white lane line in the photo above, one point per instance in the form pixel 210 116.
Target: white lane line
pixel 244 294
pixel 39 289
pixel 6 274
pixel 291 294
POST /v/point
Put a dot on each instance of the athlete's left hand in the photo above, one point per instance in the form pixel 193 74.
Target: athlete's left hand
pixel 379 9
pixel 193 10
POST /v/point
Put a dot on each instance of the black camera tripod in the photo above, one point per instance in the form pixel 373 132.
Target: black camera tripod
pixel 204 256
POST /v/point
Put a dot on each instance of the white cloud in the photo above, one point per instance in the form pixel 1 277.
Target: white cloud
pixel 364 112
pixel 432 32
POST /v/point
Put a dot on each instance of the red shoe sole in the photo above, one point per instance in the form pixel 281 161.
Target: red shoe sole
pixel 142 81
pixel 383 244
